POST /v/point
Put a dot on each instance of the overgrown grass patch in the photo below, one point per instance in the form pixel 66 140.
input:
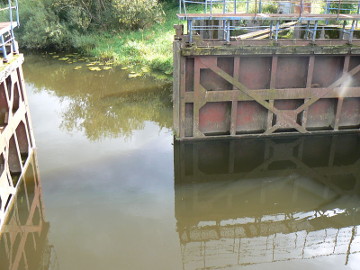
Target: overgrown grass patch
pixel 148 49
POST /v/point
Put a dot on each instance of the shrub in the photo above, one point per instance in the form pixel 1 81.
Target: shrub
pixel 137 14
pixel 41 27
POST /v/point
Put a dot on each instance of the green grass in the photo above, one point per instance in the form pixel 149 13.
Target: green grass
pixel 142 51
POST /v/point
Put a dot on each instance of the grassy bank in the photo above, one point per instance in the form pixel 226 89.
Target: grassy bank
pixel 141 52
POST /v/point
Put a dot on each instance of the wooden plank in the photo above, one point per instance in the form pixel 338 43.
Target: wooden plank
pixel 262 32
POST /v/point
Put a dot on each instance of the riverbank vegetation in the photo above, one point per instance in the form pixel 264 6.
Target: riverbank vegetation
pixel 134 34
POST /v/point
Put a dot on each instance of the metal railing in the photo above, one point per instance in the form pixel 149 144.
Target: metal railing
pixel 229 19
pixel 270 6
pixel 8 23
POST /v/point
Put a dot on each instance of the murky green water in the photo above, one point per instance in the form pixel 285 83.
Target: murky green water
pixel 117 194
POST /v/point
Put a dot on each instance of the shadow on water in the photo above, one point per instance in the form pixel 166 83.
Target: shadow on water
pixel 104 103
pixel 24 236
pixel 250 202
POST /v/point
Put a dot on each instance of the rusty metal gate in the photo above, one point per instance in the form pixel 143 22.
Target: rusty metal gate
pixel 267 93
pixel 260 81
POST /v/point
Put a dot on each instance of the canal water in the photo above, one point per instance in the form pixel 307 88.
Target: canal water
pixel 117 193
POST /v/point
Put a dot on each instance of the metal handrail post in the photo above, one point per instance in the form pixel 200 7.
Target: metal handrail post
pixel 314 31
pixel 3 47
pixel 228 30
pixel 17 12
pixel 10 12
pixel 277 30
pixel 190 30
pixel 351 34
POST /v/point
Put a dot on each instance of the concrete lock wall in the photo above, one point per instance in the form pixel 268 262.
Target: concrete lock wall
pixel 16 135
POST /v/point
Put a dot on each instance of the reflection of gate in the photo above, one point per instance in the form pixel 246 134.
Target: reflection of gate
pixel 261 201
pixel 23 241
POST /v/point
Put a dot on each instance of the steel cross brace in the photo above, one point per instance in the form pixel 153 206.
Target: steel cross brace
pixel 286 118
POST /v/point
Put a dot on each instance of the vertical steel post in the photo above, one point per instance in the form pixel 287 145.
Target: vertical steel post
pixel 343 30
pixel 189 30
pixel 314 31
pixel 227 30
pixel 351 34
pixel 327 10
pixel 307 30
pixel 358 12
pixel 271 29
pixel 17 12
pixel 10 12
pixel 277 30
pixel 3 47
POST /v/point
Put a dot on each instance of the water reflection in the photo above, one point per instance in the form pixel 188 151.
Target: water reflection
pixel 101 104
pixel 250 202
pixel 24 236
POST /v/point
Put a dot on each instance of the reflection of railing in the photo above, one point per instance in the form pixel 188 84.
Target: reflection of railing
pixel 228 20
pixel 23 239
pixel 262 201
pixel 7 25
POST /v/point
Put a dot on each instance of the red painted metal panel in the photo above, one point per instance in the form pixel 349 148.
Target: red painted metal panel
pixel 322 114
pixel 350 113
pixel 189 75
pixel 189 116
pixel 327 70
pixel 214 117
pixel 213 82
pixel 355 61
pixel 255 72
pixel 292 72
pixel 251 117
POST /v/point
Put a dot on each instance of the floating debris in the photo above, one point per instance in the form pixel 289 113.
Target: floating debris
pixel 78 67
pixel 90 64
pixel 132 75
pixel 124 68
pixel 107 68
pixel 55 56
pixel 145 69
pixel 64 58
pixel 94 68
